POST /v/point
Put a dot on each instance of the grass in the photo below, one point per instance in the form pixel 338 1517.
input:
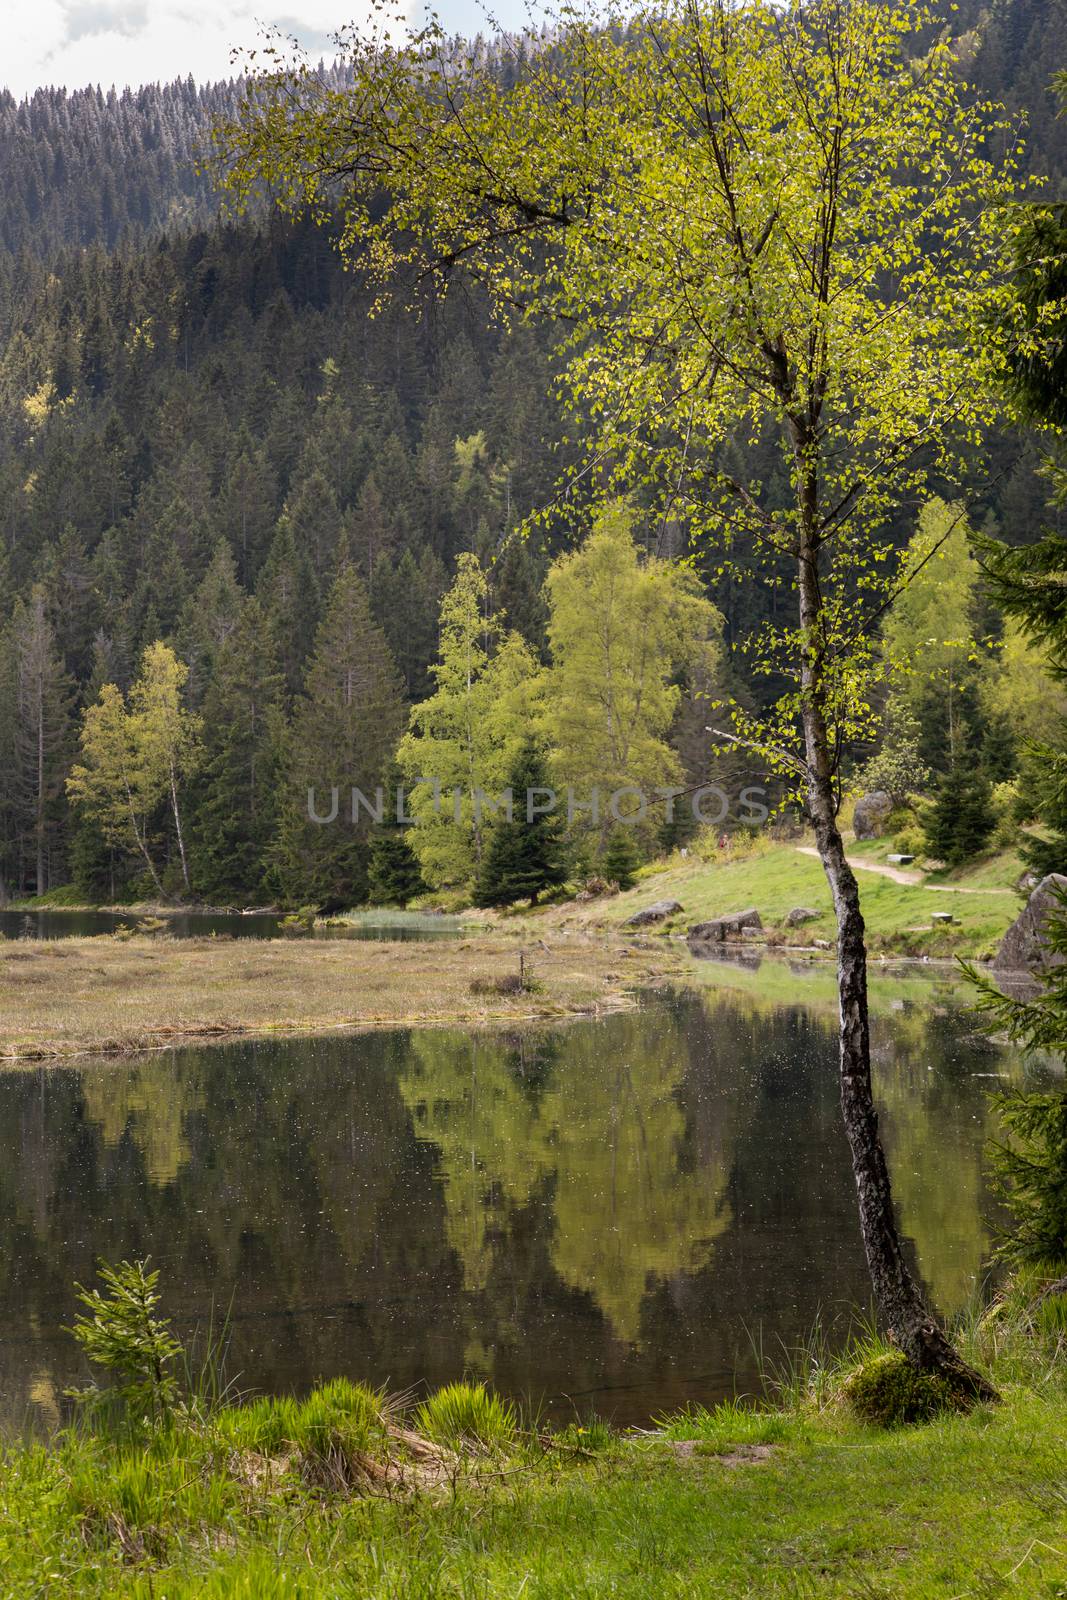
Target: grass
pixel 106 996
pixel 776 876
pixel 341 1495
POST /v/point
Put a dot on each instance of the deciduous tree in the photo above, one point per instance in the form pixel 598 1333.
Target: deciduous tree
pixel 745 218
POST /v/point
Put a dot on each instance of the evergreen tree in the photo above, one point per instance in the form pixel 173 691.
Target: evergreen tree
pixel 620 860
pixel 344 732
pixel 1030 1165
pixel 961 819
pixel 393 875
pixel 524 857
pixel 406 598
pixel 234 813
pixel 41 735
pixel 289 594
pixel 209 619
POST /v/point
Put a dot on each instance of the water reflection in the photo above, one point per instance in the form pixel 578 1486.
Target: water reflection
pixel 607 1212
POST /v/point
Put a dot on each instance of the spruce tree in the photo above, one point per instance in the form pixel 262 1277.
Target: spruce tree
pixel 235 813
pixel 524 857
pixel 1030 1163
pixel 393 875
pixel 620 860
pixel 43 735
pixel 960 821
pixel 343 736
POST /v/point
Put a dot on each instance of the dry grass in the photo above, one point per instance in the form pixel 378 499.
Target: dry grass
pixel 101 995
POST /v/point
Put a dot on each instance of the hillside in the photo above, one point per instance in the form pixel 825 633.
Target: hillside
pixel 775 877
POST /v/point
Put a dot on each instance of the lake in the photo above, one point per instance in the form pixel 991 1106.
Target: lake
pixel 220 924
pixel 609 1215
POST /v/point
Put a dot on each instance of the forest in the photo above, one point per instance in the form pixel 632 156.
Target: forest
pixel 252 537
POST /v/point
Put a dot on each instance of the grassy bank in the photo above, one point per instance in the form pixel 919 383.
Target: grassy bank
pixel 101 995
pixel 337 1496
pixel 777 876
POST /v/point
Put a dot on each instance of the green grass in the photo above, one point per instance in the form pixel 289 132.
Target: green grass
pixel 467 1413
pixel 731 1502
pixel 775 877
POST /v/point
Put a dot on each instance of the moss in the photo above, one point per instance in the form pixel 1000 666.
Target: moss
pixel 887 1391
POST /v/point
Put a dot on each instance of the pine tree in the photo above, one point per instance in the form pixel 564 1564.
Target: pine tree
pixel 620 860
pixel 343 736
pixel 406 598
pixel 524 857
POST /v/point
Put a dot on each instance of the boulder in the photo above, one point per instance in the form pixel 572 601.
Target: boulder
pixel 653 913
pixel 732 926
pixel 1024 947
pixel 801 914
pixel 871 813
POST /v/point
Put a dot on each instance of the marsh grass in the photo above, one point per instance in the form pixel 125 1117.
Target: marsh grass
pixel 467 1414
pixel 104 996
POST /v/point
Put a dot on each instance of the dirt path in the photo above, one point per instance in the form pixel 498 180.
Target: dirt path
pixel 914 880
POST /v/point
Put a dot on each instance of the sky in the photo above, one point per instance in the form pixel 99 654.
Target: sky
pixel 71 43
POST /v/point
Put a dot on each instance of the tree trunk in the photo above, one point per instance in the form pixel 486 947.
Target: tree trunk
pixel 39 797
pixel 908 1319
pixel 178 829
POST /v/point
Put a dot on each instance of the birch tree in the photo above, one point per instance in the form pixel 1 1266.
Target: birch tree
pixel 747 221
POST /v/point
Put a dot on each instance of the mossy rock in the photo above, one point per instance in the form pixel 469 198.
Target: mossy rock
pixel 889 1392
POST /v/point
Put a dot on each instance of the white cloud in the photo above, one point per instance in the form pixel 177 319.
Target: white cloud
pixel 72 43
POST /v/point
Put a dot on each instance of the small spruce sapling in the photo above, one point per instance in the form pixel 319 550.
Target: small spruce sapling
pixel 120 1331
pixel 620 859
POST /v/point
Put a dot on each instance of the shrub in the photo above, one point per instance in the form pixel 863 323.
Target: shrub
pixel 466 1413
pixel 909 841
pixel 1004 801
pixel 888 1391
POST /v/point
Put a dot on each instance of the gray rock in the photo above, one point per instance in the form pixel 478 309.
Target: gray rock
pixel 1024 947
pixel 653 913
pixel 801 914
pixel 869 817
pixel 733 926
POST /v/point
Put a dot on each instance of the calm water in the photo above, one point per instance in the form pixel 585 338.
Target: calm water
pixel 600 1216
pixel 203 924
